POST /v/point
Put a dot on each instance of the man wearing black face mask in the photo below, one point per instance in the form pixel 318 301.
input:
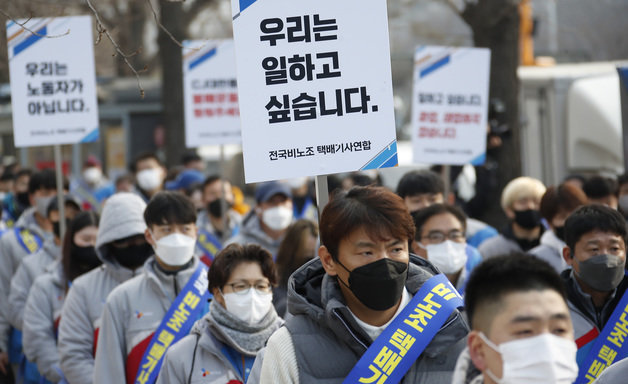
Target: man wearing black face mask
pixel 123 250
pixel 217 222
pixel 520 201
pixel 361 282
pixel 557 204
pixel 596 283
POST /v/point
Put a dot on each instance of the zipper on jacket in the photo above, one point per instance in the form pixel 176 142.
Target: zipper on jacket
pixel 350 330
pixel 176 288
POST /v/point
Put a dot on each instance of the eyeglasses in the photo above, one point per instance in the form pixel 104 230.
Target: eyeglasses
pixel 436 237
pixel 242 288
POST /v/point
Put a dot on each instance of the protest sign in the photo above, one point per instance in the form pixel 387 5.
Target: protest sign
pixel 450 105
pixel 53 84
pixel 212 116
pixel 315 87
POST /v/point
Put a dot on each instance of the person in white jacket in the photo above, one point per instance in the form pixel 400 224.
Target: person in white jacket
pixel 224 343
pixel 134 310
pixel 122 248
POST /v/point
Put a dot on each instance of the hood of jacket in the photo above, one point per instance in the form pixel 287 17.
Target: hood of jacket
pixel 313 293
pixel 252 229
pixel 550 239
pixel 27 220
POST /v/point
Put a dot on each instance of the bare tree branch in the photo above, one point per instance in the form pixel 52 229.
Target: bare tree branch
pixel 102 30
pixel 24 27
pixel 161 26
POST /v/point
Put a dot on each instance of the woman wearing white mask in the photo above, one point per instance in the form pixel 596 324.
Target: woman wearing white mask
pixel 222 346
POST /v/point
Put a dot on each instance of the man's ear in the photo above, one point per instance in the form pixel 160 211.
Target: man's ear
pixel 476 350
pixel 509 213
pixel 327 261
pixel 149 237
pixel 567 256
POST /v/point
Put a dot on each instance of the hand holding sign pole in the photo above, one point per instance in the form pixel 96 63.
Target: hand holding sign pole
pixel 315 87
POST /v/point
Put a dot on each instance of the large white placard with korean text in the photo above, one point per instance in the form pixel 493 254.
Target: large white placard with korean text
pixel 212 116
pixel 450 105
pixel 53 83
pixel 315 87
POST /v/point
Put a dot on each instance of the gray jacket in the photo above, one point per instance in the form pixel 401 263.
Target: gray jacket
pixel 551 250
pixel 131 315
pixel 326 341
pixel 11 254
pixel 31 267
pixel 199 355
pixel 498 245
pixel 615 374
pixel 42 311
pixel 83 308
pixel 251 233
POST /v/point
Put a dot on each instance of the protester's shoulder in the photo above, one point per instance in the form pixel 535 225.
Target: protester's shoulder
pixel 87 280
pixel 126 290
pixel 615 374
pixel 496 245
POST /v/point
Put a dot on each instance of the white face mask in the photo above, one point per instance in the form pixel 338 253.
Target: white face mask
pixel 250 307
pixel 41 205
pixel 277 218
pixel 149 179
pixel 449 257
pixel 296 183
pixel 92 175
pixel 175 249
pixel 545 358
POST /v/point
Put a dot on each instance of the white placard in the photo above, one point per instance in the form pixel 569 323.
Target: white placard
pixel 53 83
pixel 315 87
pixel 210 92
pixel 450 105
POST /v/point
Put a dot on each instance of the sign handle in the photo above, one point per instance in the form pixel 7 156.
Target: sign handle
pixel 322 192
pixel 223 203
pixel 60 197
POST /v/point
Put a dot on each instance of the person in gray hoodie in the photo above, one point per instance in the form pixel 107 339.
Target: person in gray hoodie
pixel 28 235
pixel 45 300
pixel 36 263
pixel 122 248
pixel 342 301
pixel 223 344
pixel 267 224
pixel 134 310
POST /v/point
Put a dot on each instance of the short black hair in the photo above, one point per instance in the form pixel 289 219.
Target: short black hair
pixel 23 172
pixel 622 179
pixel 499 276
pixel 145 156
pixel 45 179
pixel 593 217
pixel 235 254
pixel 53 205
pixel 423 215
pixel 419 182
pixel 211 179
pixel 168 207
pixel 599 186
pixel 189 157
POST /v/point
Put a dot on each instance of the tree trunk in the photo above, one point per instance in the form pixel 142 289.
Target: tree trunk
pixel 172 80
pixel 495 25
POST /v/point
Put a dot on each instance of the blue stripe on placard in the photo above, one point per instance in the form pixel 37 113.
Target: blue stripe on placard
pixel 199 60
pixel 479 160
pixel 383 157
pixel 10 23
pixel 435 66
pixel 392 162
pixel 244 4
pixel 91 137
pixel 32 39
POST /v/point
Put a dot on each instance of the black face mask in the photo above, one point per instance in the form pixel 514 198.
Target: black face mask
pixel 215 207
pixel 133 256
pixel 84 259
pixel 56 227
pixel 528 219
pixel 560 232
pixel 378 285
pixel 22 199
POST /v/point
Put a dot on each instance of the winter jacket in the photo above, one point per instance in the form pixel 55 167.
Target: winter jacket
pixel 42 313
pixel 465 372
pixel 478 231
pixel 234 221
pixel 81 318
pixel 200 356
pixel 615 374
pixel 251 233
pixel 132 313
pixel 505 243
pixel 323 342
pixel 587 321
pixel 11 254
pixel 551 250
pixel 32 266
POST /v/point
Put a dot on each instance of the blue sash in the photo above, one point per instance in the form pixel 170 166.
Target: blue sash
pixel 208 243
pixel 29 241
pixel 184 311
pixel 84 193
pixel 393 353
pixel 611 345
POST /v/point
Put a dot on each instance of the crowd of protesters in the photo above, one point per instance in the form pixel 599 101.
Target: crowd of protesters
pixel 177 276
